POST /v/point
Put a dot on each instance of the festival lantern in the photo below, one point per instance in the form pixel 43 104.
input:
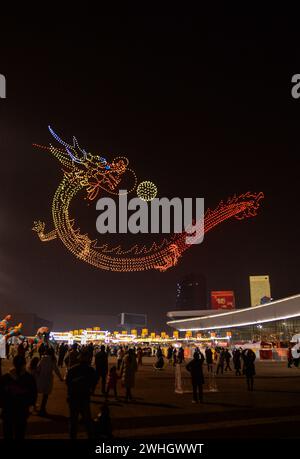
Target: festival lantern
pixel 176 334
pixel 144 332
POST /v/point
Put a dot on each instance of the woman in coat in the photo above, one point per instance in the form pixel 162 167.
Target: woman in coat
pixel 45 370
pixel 128 369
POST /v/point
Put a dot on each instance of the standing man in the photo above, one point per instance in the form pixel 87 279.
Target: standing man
pixel 128 370
pixel 237 362
pixel 120 355
pixel 209 359
pixel 174 356
pixel 62 350
pixel 195 368
pixel 139 356
pixel 72 357
pixel 180 355
pixel 159 353
pixel 18 393
pixel 220 361
pixel 227 359
pixel 290 357
pixel 90 350
pixel 249 367
pixel 101 363
pixel 81 382
pixel 169 353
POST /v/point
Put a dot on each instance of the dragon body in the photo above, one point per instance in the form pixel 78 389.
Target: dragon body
pixel 83 171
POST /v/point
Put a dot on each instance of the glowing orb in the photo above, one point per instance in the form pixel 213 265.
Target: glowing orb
pixel 146 191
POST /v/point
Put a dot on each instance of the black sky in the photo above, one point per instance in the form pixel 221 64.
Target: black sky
pixel 202 106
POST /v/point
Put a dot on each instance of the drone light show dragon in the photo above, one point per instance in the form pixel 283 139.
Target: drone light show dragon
pixel 92 173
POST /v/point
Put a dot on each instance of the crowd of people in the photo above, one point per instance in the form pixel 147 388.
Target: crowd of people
pixel 31 381
pixel 28 385
pixel 218 358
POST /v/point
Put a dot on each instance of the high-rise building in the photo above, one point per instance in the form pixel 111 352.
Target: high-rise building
pixel 260 289
pixel 191 293
pixel 130 320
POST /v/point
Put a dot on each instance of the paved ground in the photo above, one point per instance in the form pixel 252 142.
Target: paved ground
pixel 271 411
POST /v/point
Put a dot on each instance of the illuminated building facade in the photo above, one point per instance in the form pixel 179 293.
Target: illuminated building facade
pixel 274 321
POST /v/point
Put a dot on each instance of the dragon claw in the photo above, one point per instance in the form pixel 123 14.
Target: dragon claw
pixel 38 226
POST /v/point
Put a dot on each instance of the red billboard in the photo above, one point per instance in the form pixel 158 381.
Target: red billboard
pixel 222 300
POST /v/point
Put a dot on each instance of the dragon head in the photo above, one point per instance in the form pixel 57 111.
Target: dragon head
pixel 93 171
pixel 248 203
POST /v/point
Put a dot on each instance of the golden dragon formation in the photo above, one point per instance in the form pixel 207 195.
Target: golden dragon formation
pixel 92 173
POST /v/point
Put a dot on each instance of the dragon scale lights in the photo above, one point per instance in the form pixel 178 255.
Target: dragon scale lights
pixel 84 171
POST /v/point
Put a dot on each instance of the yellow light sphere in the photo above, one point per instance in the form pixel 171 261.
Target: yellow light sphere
pixel 146 190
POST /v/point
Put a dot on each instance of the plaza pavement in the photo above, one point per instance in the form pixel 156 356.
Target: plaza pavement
pixel 272 411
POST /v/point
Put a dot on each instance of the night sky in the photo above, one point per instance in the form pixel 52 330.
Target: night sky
pixel 202 107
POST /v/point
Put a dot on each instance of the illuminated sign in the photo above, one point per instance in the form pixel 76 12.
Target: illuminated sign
pixel 222 299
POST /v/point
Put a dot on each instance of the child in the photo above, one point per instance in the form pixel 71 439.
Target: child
pixel 112 382
pixel 103 428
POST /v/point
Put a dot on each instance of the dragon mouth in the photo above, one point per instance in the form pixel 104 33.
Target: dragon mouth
pixel 106 183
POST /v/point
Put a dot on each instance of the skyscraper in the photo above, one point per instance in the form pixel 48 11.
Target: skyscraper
pixel 191 293
pixel 260 289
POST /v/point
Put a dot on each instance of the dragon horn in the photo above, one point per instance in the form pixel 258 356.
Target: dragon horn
pixel 57 138
pixel 68 147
